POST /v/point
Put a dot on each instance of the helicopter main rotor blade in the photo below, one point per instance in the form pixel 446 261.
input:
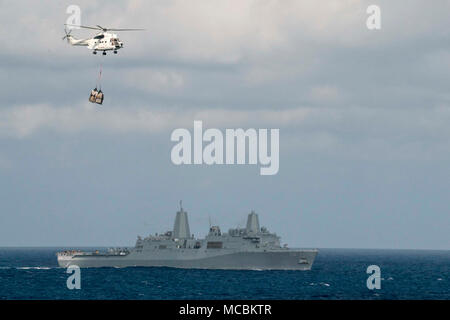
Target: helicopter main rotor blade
pixel 126 29
pixel 98 27
pixel 85 27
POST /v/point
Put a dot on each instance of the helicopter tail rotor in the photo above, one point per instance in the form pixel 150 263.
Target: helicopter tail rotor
pixel 67 36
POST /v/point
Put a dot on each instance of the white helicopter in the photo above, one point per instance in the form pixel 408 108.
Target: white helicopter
pixel 102 41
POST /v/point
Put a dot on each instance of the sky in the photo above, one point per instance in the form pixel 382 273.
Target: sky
pixel 364 120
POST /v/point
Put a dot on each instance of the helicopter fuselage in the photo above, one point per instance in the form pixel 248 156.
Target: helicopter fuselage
pixel 103 41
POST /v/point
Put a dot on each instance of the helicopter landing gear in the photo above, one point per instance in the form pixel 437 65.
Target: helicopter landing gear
pixel 104 53
pixel 115 51
pixel 94 52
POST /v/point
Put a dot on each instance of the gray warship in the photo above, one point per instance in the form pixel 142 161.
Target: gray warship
pixel 250 248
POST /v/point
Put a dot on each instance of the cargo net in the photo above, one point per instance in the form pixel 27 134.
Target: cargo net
pixel 97 95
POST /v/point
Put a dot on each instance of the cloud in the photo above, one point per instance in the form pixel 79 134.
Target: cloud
pixel 153 80
pixel 240 55
pixel 325 94
pixel 250 63
pixel 218 30
pixel 351 131
pixel 363 116
pixel 24 121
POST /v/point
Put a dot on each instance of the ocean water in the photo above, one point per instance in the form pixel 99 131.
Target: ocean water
pixel 32 273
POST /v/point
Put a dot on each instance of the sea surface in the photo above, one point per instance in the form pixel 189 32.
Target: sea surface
pixel 32 273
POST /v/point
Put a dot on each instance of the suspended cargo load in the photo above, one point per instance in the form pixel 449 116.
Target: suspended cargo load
pixel 93 95
pixel 99 98
pixel 96 96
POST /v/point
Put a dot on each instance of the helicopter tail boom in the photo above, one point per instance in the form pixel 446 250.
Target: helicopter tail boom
pixel 74 41
pixel 77 42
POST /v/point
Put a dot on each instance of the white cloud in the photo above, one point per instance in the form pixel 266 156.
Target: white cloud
pixel 330 130
pixel 153 80
pixel 215 30
pixel 24 121
pixel 325 94
pixel 286 45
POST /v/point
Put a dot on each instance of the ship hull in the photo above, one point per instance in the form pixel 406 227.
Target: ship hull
pixel 291 259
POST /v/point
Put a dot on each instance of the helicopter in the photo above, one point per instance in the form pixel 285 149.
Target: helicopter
pixel 102 41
